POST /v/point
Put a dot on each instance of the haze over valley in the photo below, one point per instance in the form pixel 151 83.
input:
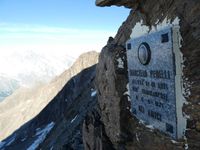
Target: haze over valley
pixel 29 68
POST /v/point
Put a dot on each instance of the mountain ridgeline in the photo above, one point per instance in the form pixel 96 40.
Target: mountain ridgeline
pixel 25 104
pixel 31 68
pixel 93 110
pixel 58 125
pixel 7 86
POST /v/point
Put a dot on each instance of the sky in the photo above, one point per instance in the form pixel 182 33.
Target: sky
pixel 57 26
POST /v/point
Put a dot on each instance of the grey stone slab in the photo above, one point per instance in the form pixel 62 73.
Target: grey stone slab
pixel 152 80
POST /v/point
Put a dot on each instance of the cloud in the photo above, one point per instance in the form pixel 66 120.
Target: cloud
pixel 25 28
pixel 15 37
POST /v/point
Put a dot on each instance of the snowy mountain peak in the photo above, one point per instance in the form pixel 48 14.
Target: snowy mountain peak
pixel 27 68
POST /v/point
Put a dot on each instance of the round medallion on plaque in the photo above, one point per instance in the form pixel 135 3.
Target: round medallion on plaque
pixel 144 53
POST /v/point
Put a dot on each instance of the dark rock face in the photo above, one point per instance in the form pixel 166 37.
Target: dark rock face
pixel 126 3
pixel 94 136
pixel 121 128
pixel 111 89
pixel 64 114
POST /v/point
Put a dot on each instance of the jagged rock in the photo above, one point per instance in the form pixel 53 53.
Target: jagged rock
pixel 92 129
pixel 108 79
pixel 126 3
pixel 198 126
pixel 123 130
pixel 94 136
pixel 111 82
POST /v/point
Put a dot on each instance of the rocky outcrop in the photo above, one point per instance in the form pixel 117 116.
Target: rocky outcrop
pixel 126 3
pixel 24 104
pixel 121 128
pixel 94 136
pixel 111 89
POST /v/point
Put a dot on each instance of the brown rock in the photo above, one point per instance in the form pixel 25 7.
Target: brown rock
pixel 93 133
pixel 126 3
pixel 198 126
pixel 121 128
pixel 112 93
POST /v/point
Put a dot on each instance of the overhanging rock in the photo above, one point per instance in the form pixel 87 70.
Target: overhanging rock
pixel 126 3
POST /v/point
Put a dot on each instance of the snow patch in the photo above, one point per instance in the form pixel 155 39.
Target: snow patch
pixel 136 135
pixel 41 133
pixel 120 63
pixel 2 144
pixel 141 29
pixel 94 93
pixel 150 127
pixel 23 139
pixel 38 129
pixel 186 84
pixel 73 119
pixel 129 99
pixel 174 142
pixel 186 87
pixel 141 122
pixel 186 143
pixel 127 92
pixel 186 146
pixel 186 116
pixel 11 140
pixel 7 143
pixel 128 96
pixel 128 108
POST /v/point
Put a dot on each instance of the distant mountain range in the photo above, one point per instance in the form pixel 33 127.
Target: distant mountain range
pixel 7 86
pixel 25 103
pixel 28 68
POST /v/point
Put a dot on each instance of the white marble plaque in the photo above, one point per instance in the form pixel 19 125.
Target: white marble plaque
pixel 153 80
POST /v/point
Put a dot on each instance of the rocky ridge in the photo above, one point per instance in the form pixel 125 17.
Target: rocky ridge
pixel 109 123
pixel 59 124
pixel 15 112
pixel 123 130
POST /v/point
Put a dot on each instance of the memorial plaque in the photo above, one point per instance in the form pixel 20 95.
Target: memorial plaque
pixel 153 76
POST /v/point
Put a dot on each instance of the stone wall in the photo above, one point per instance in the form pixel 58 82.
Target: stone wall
pixel 121 128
